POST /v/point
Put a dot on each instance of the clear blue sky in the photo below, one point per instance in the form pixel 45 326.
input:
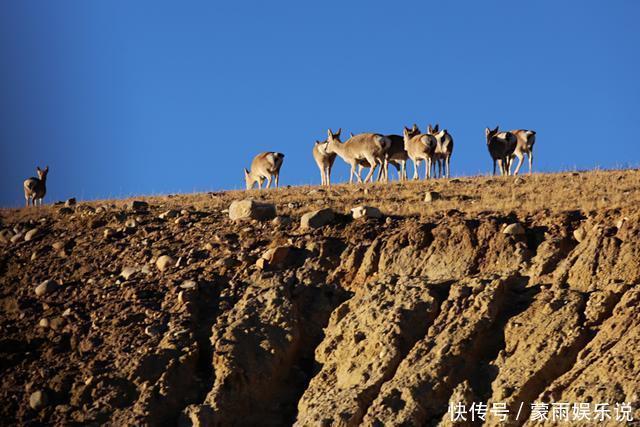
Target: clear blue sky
pixel 125 98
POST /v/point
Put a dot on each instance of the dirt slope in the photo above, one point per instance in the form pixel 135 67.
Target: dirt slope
pixel 381 321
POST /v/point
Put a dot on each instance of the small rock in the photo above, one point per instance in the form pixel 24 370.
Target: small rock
pixel 17 237
pixel 97 223
pixel 262 264
pixel 514 229
pixel 182 298
pixel 138 206
pixel 164 262
pixel 31 234
pixel 70 202
pixel 38 400
pixel 152 331
pixel 46 287
pixel 128 272
pixel 365 212
pixel 188 284
pixel 65 210
pixel 57 323
pixel 6 235
pixel 281 221
pixel 316 219
pixel 579 234
pixel 66 313
pixel 58 246
pixel 251 209
pixel 519 181
pixel 108 233
pixel 430 196
pixel 131 223
pixel 168 214
pixel 44 323
pixel 279 257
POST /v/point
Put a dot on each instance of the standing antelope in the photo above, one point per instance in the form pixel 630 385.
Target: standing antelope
pixel 264 166
pixel 420 147
pixel 397 155
pixel 324 161
pixel 501 146
pixel 371 147
pixel 526 139
pixel 444 149
pixel 36 188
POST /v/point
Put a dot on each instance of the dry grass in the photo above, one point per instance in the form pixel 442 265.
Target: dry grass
pixel 586 191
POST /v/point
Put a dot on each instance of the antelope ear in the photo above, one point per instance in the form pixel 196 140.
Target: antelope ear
pixel 339 132
pixel 46 169
pixel 437 128
pixel 351 133
pixel 246 172
pixel 429 129
pixel 329 133
pixel 487 131
pixel 496 129
pixel 415 127
pixel 38 168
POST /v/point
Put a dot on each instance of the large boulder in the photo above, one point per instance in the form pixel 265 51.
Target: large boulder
pixel 251 209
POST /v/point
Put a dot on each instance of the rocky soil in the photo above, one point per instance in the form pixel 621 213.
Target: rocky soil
pixel 165 311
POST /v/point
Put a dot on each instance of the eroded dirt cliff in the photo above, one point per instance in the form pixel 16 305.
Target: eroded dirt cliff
pixel 380 321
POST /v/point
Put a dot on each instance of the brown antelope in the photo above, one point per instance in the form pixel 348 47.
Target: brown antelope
pixel 324 161
pixel 526 139
pixel 264 166
pixel 444 149
pixel 397 155
pixel 420 147
pixel 36 188
pixel 371 147
pixel 501 146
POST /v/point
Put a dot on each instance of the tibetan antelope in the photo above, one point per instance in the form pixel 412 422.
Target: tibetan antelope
pixel 36 188
pixel 526 139
pixel 264 166
pixel 420 147
pixel 324 161
pixel 397 155
pixel 371 147
pixel 444 149
pixel 501 146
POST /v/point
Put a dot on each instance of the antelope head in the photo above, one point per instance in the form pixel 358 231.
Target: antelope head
pixel 332 138
pixel 248 181
pixel 42 173
pixel 490 134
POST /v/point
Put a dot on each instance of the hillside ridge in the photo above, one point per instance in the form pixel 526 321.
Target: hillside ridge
pixel 165 311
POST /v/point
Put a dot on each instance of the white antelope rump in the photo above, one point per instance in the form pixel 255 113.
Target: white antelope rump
pixel 36 188
pixel 371 147
pixel 524 146
pixel 264 166
pixel 444 149
pixel 501 146
pixel 420 147
pixel 324 161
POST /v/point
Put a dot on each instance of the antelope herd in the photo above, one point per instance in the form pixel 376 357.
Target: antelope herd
pixel 373 150
pixel 370 150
